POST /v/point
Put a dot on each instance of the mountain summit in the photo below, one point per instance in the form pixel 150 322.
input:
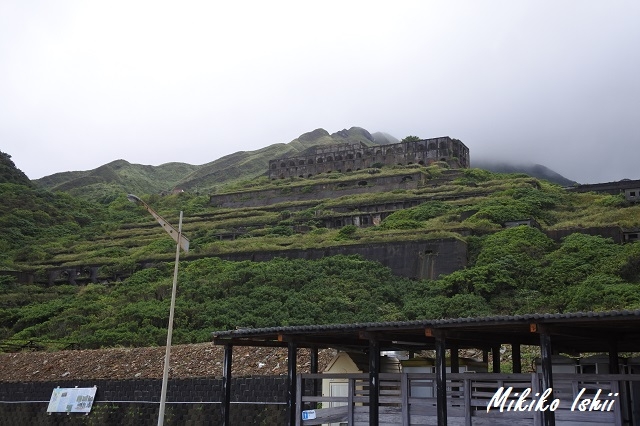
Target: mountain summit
pixel 120 176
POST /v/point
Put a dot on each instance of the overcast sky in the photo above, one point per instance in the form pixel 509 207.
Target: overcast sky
pixel 83 83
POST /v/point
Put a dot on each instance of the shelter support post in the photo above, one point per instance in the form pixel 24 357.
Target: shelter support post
pixel 548 416
pixel 614 364
pixel 374 382
pixel 441 380
pixel 226 383
pixel 455 358
pixel 495 358
pixel 516 357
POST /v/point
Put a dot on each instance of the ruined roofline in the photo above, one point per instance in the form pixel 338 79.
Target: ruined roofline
pixel 353 157
pixel 318 148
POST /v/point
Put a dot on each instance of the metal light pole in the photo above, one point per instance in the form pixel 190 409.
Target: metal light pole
pixel 181 241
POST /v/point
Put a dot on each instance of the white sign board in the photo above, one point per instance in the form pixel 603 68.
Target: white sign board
pixel 72 400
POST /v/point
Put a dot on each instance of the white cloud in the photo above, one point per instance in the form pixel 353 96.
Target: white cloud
pixel 85 83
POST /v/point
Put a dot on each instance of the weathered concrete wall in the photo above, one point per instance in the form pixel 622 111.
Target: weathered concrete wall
pixel 411 259
pixel 19 276
pixel 411 180
pixel 352 157
pixel 613 232
pixel 73 276
pixel 613 188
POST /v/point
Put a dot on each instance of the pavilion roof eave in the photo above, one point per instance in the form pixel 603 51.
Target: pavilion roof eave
pixel 582 331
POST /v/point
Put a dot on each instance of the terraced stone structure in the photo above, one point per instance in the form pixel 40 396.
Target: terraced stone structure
pixel 352 157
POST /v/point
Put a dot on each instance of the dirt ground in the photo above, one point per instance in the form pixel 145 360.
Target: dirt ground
pixel 187 361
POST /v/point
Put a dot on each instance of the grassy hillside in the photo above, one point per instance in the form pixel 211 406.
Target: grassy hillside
pixel 9 173
pixel 475 202
pixel 119 176
pixel 510 271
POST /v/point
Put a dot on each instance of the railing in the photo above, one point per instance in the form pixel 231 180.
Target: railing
pixel 513 399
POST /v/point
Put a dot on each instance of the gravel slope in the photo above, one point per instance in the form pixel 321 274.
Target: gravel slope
pixel 196 360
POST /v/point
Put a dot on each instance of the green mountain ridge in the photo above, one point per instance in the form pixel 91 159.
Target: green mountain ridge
pixel 118 176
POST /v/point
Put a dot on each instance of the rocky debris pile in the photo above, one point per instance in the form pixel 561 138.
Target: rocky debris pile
pixel 187 361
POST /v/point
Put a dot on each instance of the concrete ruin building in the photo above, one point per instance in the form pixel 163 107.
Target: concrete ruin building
pixel 357 156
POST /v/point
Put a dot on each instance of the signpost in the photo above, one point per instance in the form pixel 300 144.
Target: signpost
pixel 72 400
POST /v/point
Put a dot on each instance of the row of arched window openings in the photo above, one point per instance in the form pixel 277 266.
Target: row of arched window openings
pixel 350 156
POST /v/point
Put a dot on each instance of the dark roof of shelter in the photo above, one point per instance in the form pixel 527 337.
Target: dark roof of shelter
pixel 571 332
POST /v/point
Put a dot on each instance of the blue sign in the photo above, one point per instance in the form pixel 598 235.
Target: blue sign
pixel 308 414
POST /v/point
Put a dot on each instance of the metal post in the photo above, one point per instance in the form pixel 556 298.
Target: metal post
pixel 291 383
pixel 226 384
pixel 314 370
pixel 374 381
pixel 181 242
pixel 167 355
